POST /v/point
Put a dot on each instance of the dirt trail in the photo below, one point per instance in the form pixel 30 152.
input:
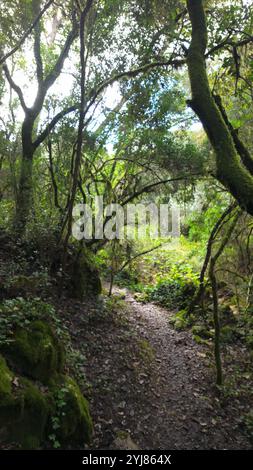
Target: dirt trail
pixel 189 414
pixel 166 398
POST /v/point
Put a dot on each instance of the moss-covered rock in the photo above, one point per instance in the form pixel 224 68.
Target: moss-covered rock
pixel 24 410
pixel 30 431
pixel 28 415
pixel 11 405
pixel 29 411
pixel 35 352
pixel 84 278
pixel 71 412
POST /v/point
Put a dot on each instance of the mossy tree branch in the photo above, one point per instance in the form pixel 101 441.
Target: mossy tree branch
pixel 239 145
pixel 230 171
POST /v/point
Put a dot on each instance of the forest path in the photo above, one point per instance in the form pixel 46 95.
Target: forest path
pixel 185 406
pixel 154 383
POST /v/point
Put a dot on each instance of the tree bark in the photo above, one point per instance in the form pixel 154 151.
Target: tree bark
pixel 230 170
pixel 24 198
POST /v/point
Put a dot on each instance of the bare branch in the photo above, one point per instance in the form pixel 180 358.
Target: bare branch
pixel 45 133
pixel 131 74
pixel 150 187
pixel 138 256
pixel 228 43
pixel 55 72
pixel 15 87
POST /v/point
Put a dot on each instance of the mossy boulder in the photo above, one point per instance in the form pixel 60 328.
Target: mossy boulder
pixel 28 415
pixel 84 278
pixel 30 431
pixel 11 405
pixel 35 351
pixel 71 412
pixel 34 357
pixel 24 410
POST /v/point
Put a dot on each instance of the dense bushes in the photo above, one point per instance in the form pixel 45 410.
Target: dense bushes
pixel 173 293
pixel 175 290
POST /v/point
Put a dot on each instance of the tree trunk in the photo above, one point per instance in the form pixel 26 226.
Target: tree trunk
pixel 24 196
pixel 230 170
pixel 24 199
pixel 216 321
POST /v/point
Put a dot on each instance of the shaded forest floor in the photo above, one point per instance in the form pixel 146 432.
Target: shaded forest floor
pixel 151 386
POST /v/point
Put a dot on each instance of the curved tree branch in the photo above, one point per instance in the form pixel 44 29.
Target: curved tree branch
pixel 230 171
pixel 45 133
pixel 15 87
pixel 239 145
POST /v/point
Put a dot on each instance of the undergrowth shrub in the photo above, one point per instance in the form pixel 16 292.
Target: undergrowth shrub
pixel 176 291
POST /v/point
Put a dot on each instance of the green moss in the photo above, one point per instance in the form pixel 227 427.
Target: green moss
pixel 85 281
pixel 30 430
pixel 5 378
pixel 181 320
pixel 230 170
pixel 29 416
pixel 202 331
pixel 23 410
pixel 72 412
pixel 200 340
pixel 11 406
pixel 35 352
